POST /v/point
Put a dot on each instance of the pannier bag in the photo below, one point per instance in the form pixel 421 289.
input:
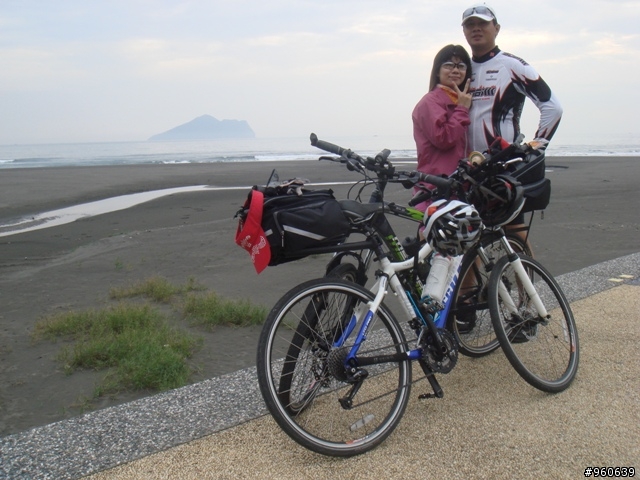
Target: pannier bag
pixel 292 221
pixel 531 174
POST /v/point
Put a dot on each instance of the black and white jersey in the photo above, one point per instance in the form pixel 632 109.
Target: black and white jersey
pixel 500 82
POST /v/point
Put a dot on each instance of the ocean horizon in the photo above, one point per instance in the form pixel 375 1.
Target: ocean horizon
pixel 245 150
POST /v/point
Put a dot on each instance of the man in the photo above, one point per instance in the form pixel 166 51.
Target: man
pixel 500 82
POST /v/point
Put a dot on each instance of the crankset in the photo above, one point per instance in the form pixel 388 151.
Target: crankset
pixel 440 359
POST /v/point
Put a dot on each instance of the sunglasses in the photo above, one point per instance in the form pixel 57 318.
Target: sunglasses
pixel 450 66
pixel 479 11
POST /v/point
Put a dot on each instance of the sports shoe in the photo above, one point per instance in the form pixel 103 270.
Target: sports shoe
pixel 466 320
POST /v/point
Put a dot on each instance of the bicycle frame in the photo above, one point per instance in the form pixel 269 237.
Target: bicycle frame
pixel 387 276
pixel 430 322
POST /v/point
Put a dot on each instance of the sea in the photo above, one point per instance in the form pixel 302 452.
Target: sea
pixel 252 149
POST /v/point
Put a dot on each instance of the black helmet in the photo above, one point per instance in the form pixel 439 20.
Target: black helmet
pixel 499 199
pixel 451 226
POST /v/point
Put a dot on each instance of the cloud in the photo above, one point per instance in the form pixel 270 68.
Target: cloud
pixel 128 69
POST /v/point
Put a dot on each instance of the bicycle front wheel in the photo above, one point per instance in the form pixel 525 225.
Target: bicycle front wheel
pixel 470 321
pixel 543 350
pixel 301 372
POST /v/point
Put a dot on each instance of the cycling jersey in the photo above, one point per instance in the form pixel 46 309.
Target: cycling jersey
pixel 499 84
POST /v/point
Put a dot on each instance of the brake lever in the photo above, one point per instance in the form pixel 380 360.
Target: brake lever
pixel 407 179
pixel 423 196
pixel 352 165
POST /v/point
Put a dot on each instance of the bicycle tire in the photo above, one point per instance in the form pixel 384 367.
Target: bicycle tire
pixel 345 271
pixel 476 337
pixel 301 380
pixel 545 352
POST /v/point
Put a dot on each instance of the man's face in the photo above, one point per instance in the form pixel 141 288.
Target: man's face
pixel 480 34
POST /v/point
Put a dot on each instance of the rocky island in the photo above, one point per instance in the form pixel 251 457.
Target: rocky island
pixel 207 127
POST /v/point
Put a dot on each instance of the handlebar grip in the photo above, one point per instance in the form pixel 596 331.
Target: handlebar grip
pixel 328 147
pixel 439 182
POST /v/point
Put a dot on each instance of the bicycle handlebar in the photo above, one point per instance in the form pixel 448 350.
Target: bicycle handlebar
pixel 345 153
pixel 496 160
pixel 330 147
pixel 384 169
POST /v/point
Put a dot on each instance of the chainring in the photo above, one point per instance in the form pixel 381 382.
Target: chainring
pixel 441 361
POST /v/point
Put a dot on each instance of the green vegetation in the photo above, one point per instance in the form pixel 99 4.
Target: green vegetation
pixel 210 310
pixel 138 346
pixel 135 342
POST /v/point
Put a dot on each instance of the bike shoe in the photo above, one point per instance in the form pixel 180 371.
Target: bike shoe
pixel 466 320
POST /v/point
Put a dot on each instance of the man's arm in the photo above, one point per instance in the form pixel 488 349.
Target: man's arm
pixel 534 87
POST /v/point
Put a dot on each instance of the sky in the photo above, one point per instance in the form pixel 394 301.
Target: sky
pixel 100 71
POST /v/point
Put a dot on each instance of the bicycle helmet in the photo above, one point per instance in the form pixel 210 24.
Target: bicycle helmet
pixel 498 199
pixel 451 226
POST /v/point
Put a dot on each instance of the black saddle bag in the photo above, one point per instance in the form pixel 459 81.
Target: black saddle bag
pixel 531 174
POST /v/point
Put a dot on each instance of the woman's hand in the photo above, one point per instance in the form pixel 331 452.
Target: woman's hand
pixel 464 97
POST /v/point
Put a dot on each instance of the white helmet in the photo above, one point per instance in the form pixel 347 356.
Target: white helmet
pixel 452 226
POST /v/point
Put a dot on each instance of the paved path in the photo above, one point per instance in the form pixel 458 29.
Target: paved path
pixel 490 424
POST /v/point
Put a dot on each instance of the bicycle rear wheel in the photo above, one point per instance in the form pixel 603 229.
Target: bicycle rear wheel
pixel 302 376
pixel 345 271
pixel 470 321
pixel 544 351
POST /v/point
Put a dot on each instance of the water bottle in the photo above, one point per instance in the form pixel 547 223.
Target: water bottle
pixel 438 278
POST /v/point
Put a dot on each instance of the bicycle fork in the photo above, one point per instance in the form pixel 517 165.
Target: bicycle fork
pixel 524 279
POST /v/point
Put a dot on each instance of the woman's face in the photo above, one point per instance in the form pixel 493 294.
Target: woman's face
pixel 453 72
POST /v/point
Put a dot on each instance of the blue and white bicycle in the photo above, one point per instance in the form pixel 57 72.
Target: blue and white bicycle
pixel 334 362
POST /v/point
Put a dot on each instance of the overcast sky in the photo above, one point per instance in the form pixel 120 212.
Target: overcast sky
pixel 84 71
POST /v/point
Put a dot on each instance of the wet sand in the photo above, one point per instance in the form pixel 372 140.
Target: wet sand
pixel 593 217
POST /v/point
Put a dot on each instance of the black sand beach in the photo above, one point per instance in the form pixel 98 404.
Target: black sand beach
pixel 593 217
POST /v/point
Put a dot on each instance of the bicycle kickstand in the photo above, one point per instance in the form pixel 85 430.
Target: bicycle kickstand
pixel 437 389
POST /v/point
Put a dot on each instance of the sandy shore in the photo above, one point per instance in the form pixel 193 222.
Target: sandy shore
pixel 593 217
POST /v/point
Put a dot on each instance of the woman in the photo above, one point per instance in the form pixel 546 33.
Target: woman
pixel 441 117
pixel 440 121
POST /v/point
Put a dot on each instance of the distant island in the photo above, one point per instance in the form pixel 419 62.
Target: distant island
pixel 207 127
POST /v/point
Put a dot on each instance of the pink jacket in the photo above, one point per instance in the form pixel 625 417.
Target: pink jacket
pixel 440 132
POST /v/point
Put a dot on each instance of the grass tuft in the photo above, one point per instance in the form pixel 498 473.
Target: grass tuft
pixel 210 310
pixel 134 342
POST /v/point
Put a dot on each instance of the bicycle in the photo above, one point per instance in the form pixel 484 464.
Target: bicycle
pixel 470 320
pixel 320 336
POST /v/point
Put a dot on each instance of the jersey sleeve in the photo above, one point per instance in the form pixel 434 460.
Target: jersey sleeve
pixel 527 80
